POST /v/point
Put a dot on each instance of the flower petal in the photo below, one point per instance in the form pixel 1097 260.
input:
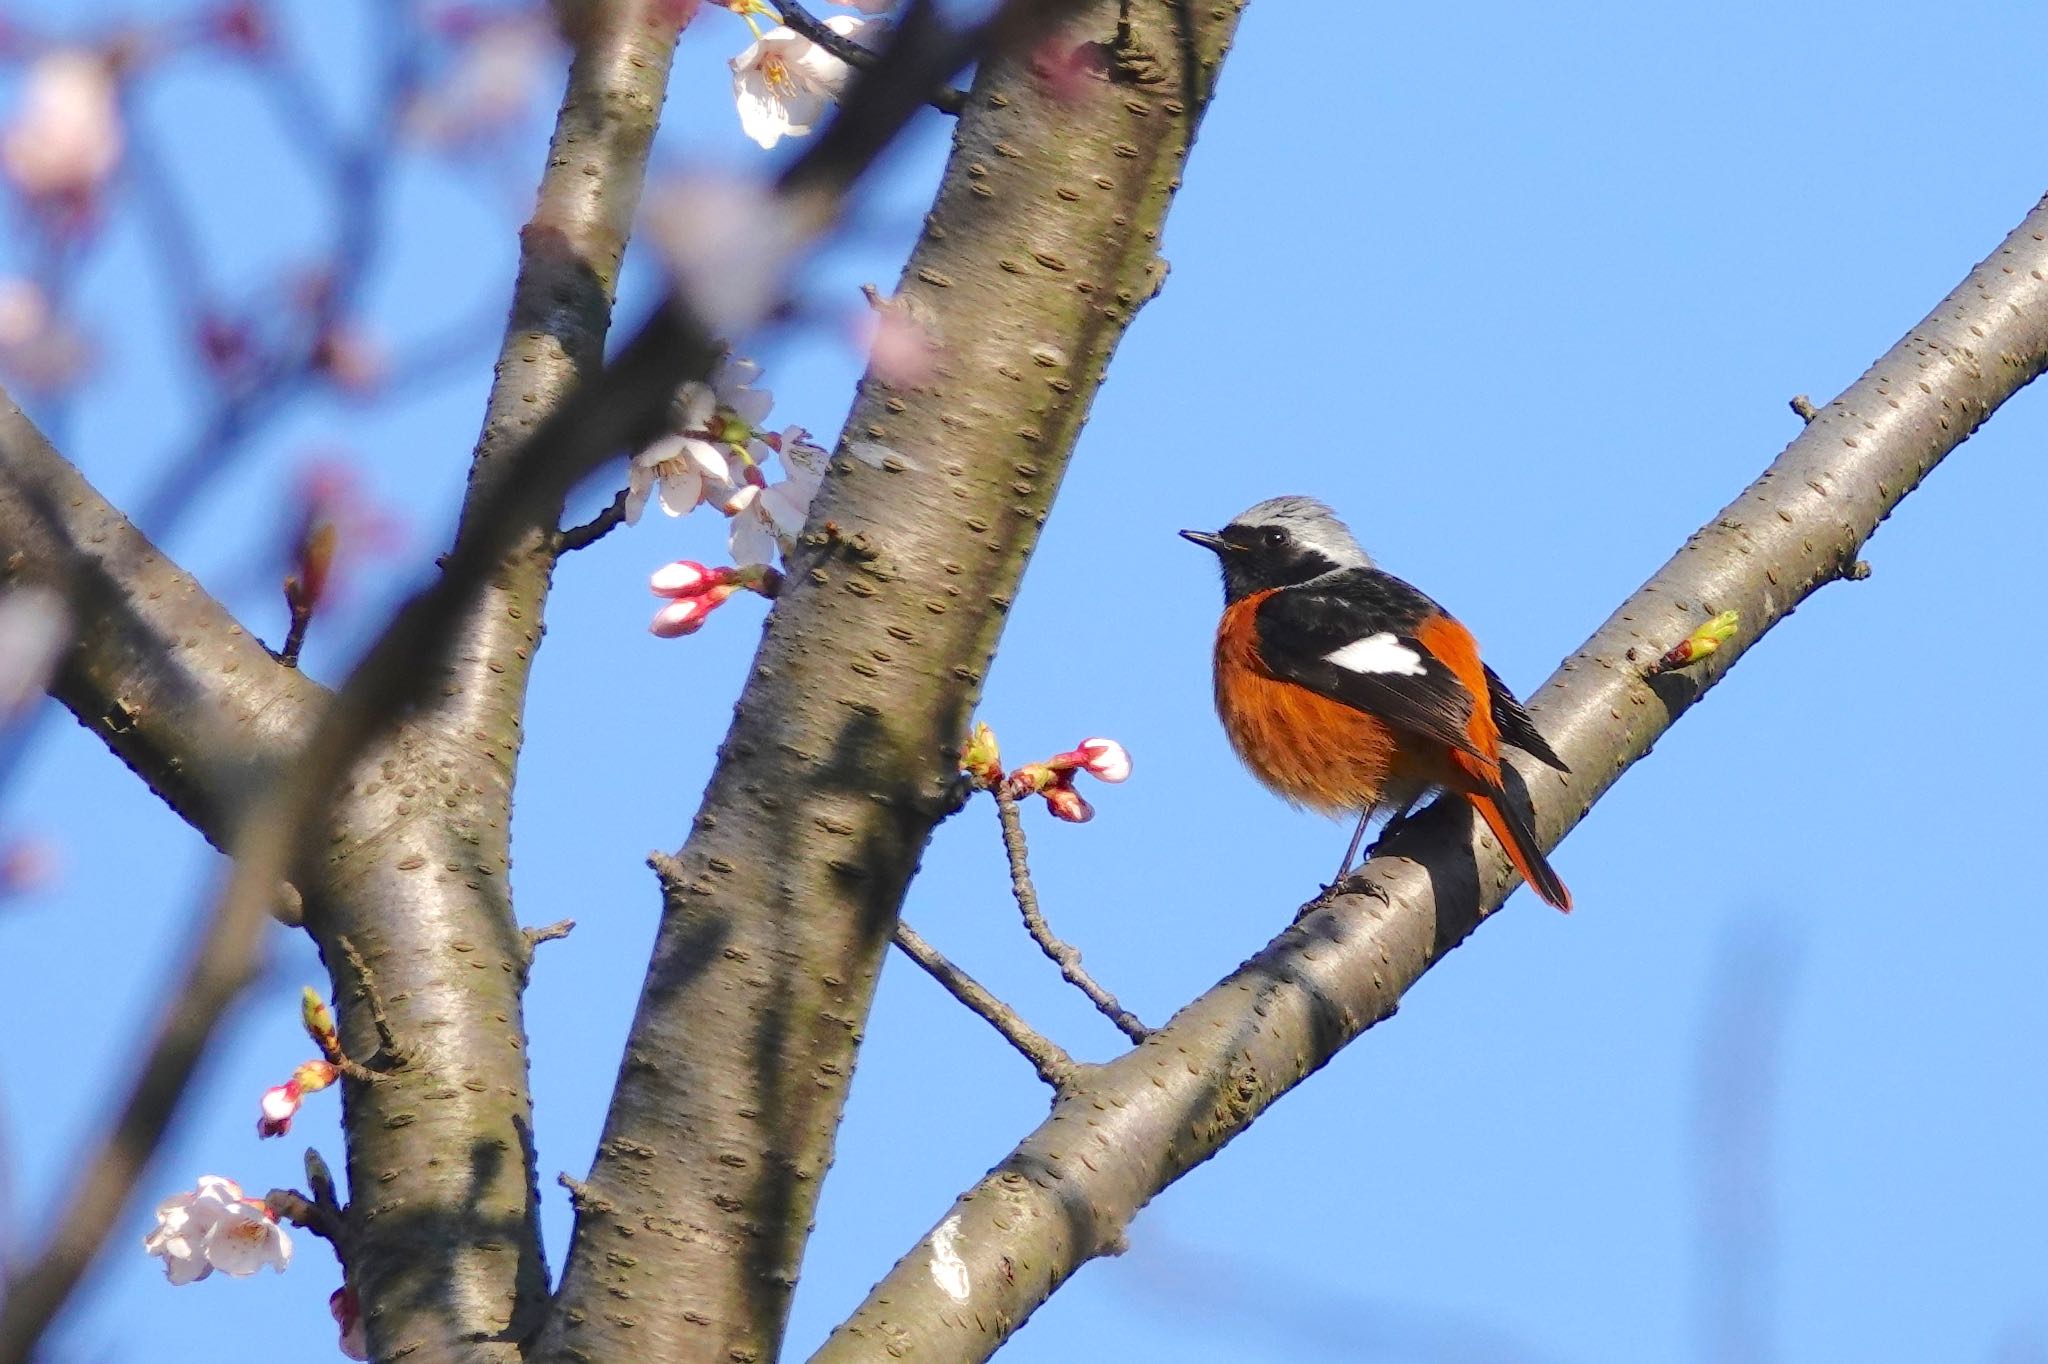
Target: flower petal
pixel 682 488
pixel 752 541
pixel 707 457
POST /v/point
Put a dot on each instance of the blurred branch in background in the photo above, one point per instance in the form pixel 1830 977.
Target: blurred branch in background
pixel 83 154
pixel 1237 1296
pixel 1735 1119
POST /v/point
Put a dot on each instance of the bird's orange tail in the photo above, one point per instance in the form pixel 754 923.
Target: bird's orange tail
pixel 1511 827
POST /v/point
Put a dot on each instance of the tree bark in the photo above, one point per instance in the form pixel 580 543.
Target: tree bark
pixel 844 746
pixel 193 703
pixel 1128 1129
pixel 444 1237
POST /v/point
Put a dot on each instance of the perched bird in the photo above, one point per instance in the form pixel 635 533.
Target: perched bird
pixel 1345 689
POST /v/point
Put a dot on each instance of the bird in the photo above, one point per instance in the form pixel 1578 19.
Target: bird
pixel 1345 689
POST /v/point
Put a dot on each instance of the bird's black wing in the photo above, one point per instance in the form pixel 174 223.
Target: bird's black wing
pixel 1515 725
pixel 1354 636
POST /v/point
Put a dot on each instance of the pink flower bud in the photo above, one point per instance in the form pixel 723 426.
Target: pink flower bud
pixel 685 578
pixel 1068 804
pixel 280 1102
pixel 348 1315
pixel 1105 758
pixel 685 615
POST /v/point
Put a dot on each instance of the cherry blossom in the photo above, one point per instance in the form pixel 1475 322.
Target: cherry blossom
pixel 182 1222
pixel 216 1226
pixel 65 138
pixel 783 81
pixel 35 626
pixel 684 468
pixel 765 517
pixel 246 1238
pixel 38 345
pixel 714 445
pixel 731 243
pixel 489 85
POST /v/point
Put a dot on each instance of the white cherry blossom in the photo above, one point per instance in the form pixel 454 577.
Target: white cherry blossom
pixel 214 1227
pixel 684 468
pixel 246 1238
pixel 783 82
pixel 763 517
pixel 65 138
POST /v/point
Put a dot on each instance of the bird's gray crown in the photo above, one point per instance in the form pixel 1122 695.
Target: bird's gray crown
pixel 1312 525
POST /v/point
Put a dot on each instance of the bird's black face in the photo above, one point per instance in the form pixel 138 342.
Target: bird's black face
pixel 1259 556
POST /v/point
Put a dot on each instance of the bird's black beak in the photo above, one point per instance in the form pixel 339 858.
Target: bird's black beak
pixel 1207 540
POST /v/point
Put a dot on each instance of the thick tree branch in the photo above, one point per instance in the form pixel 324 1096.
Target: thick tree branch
pixel 1132 1127
pixel 777 910
pixel 444 1237
pixel 158 669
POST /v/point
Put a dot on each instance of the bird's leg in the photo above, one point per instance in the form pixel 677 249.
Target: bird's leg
pixel 1392 826
pixel 1350 853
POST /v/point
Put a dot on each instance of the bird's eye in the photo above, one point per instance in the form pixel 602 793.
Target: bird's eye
pixel 1274 536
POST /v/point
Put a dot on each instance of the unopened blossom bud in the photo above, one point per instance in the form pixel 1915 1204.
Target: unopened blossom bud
pixel 314 1076
pixel 686 615
pixel 1032 778
pixel 280 1104
pixel 1068 804
pixel 980 758
pixel 318 1020
pixel 1104 759
pixel 686 578
pixel 348 1316
pixel 313 567
pixel 1700 643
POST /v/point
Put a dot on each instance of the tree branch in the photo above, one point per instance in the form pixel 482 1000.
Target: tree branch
pixel 413 907
pixel 157 669
pixel 1046 1056
pixel 800 20
pixel 1040 248
pixel 222 962
pixel 1132 1127
pixel 1061 953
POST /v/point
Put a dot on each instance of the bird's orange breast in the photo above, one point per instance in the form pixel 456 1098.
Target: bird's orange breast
pixel 1308 748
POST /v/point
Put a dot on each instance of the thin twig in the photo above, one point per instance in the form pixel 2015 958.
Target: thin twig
pixel 1046 1056
pixel 295 637
pixel 1064 955
pixel 560 928
pixel 301 1211
pixel 387 1040
pixel 595 529
pixel 800 20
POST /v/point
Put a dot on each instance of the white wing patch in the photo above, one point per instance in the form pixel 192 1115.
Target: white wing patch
pixel 1380 653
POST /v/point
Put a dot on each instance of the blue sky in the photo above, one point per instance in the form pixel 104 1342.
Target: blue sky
pixel 1523 292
